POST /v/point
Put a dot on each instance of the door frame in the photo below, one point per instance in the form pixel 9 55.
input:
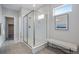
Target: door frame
pixel 27 29
pixel 7 26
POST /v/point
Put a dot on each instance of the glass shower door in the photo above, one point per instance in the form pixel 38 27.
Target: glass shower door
pixel 40 28
pixel 35 29
pixel 30 28
pixel 25 29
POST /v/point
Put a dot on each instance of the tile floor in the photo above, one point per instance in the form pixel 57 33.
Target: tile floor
pixel 20 48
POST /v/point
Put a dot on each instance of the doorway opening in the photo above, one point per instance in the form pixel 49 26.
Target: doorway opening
pixel 9 28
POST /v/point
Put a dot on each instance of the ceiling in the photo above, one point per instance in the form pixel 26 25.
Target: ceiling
pixel 19 6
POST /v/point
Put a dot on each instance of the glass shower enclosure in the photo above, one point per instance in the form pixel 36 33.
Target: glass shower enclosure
pixel 34 28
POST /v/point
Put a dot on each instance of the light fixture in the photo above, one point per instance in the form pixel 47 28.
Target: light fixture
pixel 41 17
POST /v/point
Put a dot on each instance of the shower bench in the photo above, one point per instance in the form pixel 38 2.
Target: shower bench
pixel 63 46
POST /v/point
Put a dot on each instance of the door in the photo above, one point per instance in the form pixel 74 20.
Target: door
pixel 40 29
pixel 11 31
pixel 25 29
pixel 9 28
pixel 30 28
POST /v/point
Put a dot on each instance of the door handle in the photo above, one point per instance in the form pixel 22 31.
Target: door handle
pixel 29 26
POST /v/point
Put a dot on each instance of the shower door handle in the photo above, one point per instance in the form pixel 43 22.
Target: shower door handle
pixel 29 26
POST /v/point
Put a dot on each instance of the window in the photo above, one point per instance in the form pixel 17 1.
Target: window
pixel 62 9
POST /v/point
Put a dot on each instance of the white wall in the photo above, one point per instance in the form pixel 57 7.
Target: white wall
pixel 2 37
pixel 12 13
pixel 72 35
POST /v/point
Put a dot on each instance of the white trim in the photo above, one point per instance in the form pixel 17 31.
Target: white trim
pixel 28 45
pixel 38 48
